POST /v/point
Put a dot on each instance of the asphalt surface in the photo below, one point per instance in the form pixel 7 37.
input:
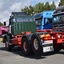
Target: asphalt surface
pixel 15 57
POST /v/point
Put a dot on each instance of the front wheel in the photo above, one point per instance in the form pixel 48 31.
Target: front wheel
pixel 7 46
pixel 35 44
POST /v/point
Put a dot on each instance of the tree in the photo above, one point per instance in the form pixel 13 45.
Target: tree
pixel 52 6
pixel 62 2
pixel 36 9
pixel 26 9
pixel 40 7
pixel 47 6
pixel 31 9
pixel 1 24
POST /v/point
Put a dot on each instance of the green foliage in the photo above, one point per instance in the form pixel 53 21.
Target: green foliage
pixel 40 7
pixel 62 2
pixel 52 6
pixel 31 9
pixel 1 24
pixel 26 9
pixel 47 6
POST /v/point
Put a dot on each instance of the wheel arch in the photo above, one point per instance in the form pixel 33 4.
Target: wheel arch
pixel 28 37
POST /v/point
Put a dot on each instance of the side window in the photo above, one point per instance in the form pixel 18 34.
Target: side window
pixel 47 20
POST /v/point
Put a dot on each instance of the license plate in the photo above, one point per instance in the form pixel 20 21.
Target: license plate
pixel 48 49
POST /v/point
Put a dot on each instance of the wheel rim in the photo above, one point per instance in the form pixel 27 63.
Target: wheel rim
pixel 25 46
pixel 36 44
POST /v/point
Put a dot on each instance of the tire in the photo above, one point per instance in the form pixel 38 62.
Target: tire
pixel 8 47
pixel 4 39
pixel 35 45
pixel 26 48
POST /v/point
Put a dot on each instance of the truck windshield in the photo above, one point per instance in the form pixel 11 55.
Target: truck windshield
pixel 58 18
pixel 39 22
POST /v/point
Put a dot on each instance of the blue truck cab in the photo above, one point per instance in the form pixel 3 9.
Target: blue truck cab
pixel 44 20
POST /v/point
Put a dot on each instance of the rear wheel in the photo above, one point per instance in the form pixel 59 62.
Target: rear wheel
pixel 35 44
pixel 26 49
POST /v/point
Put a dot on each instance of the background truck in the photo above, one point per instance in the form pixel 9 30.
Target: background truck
pixel 58 27
pixel 57 31
pixel 3 30
pixel 22 33
pixel 44 20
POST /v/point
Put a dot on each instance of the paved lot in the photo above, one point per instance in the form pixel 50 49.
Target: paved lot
pixel 14 57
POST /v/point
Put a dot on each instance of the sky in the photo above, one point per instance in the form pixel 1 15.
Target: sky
pixel 8 6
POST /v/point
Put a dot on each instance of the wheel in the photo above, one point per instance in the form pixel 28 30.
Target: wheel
pixel 8 47
pixel 35 44
pixel 4 38
pixel 26 49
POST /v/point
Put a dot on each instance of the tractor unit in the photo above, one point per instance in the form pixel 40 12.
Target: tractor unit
pixel 23 34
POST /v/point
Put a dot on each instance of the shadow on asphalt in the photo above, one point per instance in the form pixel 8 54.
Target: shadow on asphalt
pixel 17 51
pixel 61 52
pixel 43 56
